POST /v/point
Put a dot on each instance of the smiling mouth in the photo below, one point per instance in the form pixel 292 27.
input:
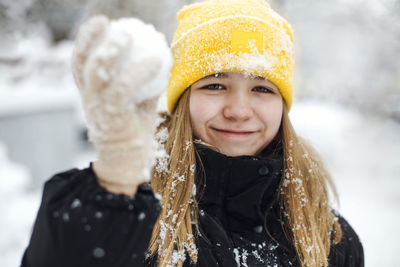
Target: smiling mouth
pixel 233 132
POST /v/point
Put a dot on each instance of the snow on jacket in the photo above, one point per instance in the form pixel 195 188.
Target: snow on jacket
pixel 81 224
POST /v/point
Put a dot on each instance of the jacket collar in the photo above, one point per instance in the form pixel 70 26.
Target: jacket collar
pixel 236 190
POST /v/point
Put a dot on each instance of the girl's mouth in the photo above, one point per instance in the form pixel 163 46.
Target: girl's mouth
pixel 229 132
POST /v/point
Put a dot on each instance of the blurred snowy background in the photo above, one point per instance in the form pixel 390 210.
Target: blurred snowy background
pixel 347 104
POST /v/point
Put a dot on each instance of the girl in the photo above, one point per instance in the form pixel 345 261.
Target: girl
pixel 236 185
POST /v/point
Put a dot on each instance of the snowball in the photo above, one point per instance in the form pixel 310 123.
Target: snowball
pixel 147 43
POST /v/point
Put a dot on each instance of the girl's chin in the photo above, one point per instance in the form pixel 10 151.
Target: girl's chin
pixel 235 152
pixel 231 147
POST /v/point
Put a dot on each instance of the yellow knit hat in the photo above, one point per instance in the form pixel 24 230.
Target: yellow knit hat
pixel 244 36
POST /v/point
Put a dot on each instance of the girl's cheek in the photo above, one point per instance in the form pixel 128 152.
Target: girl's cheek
pixel 198 115
pixel 197 109
pixel 203 107
pixel 272 110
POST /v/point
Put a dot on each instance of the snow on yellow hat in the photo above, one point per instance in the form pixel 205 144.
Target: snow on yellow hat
pixel 244 36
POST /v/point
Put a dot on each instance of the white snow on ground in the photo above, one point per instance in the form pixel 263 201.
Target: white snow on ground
pixel 362 154
pixel 18 209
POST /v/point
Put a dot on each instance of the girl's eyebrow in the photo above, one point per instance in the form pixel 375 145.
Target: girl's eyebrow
pixel 215 75
pixel 258 78
pixel 224 75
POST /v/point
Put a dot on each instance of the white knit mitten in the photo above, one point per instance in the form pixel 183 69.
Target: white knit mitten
pixel 121 67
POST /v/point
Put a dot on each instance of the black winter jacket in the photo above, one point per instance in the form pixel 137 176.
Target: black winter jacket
pixel 81 224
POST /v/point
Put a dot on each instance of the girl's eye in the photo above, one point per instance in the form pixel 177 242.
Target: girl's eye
pixel 263 89
pixel 214 86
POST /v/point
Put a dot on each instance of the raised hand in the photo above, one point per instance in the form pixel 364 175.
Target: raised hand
pixel 121 67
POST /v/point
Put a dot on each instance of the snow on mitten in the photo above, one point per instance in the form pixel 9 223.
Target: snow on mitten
pixel 121 67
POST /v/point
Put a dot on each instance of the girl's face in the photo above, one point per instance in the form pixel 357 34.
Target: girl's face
pixel 237 114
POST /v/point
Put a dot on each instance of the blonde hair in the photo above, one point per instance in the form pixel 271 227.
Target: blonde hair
pixel 174 179
pixel 306 216
pixel 311 225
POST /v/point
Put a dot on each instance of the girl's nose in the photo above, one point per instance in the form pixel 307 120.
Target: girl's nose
pixel 238 108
